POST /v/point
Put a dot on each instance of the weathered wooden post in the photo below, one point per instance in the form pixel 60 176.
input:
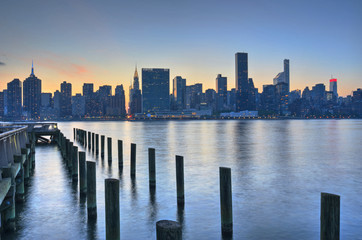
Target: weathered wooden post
pixel 89 140
pixel 91 190
pixel 226 204
pixel 120 154
pixel 109 145
pixel 70 155
pixel 102 146
pixel 97 144
pixel 82 174
pixel 330 215
pixel 166 230
pixel 85 139
pixel 74 133
pixel 133 160
pixel 19 194
pixel 152 167
pixel 112 208
pixel 93 142
pixel 9 213
pixel 180 180
pixel 75 164
pixel 24 151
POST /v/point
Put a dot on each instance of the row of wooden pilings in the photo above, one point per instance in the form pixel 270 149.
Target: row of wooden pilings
pixel 165 229
pixel 17 161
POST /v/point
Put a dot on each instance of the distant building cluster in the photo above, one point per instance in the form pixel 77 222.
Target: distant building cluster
pixel 26 101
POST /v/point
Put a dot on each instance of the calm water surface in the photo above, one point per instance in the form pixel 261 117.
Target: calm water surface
pixel 279 169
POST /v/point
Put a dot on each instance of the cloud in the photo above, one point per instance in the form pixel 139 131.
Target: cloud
pixel 2 64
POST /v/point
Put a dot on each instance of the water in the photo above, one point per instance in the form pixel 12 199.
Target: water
pixel 279 169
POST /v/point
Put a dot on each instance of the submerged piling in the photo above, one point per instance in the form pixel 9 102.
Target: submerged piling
pixel 166 229
pixel 112 209
pixel 226 204
pixel 97 144
pixel 75 164
pixel 330 216
pixel 152 167
pixel 82 174
pixel 102 146
pixel 180 180
pixel 93 142
pixel 91 190
pixel 109 145
pixel 133 160
pixel 120 154
pixel 89 140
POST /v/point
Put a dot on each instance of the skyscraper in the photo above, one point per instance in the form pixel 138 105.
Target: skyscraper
pixel 221 90
pixel 14 99
pixel 88 97
pixel 66 99
pixel 179 92
pixel 155 89
pixel 135 96
pixel 32 95
pixel 333 86
pixel 283 77
pixel 243 99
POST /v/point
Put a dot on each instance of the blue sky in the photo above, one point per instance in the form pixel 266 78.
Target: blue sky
pixel 101 41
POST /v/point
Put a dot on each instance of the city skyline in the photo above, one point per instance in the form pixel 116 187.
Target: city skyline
pixel 84 42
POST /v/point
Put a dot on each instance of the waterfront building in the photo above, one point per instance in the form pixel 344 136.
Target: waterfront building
pixel 88 92
pixel 135 96
pixel 221 90
pixel 283 77
pixel 2 105
pixel 155 89
pixel 78 106
pixel 32 96
pixel 14 108
pixel 66 99
pixel 179 93
pixel 104 98
pixel 333 86
pixel 46 99
pixel 269 99
pixel 193 96
pixel 117 106
pixel 245 95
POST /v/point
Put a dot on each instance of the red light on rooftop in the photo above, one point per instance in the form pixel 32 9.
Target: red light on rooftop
pixel 333 80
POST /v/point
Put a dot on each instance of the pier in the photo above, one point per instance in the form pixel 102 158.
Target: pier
pixel 17 163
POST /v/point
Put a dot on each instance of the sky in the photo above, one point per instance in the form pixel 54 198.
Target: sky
pixel 100 42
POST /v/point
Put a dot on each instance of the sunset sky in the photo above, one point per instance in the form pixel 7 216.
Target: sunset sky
pixel 101 41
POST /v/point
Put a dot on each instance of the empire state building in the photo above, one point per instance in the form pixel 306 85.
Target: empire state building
pixel 32 95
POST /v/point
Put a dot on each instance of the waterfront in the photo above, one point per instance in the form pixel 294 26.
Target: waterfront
pixel 278 170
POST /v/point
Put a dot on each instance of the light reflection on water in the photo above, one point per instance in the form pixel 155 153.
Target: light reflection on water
pixel 278 168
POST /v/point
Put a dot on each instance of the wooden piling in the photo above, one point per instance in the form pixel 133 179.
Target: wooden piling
pixel 97 144
pixel 70 155
pixel 93 142
pixel 24 151
pixel 75 164
pixel 85 139
pixel 102 146
pixel 120 154
pixel 133 160
pixel 74 133
pixel 20 191
pixel 89 140
pixel 109 145
pixel 82 174
pixel 180 180
pixel 112 209
pixel 166 229
pixel 226 201
pixel 330 216
pixel 91 190
pixel 152 167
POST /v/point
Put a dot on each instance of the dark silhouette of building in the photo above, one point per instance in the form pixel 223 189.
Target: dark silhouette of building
pixel 2 105
pixel 14 108
pixel 179 93
pixel 78 106
pixel 104 98
pixel 135 96
pixel 221 90
pixel 117 107
pixel 155 89
pixel 244 99
pixel 88 93
pixel 193 96
pixel 333 86
pixel 283 77
pixel 32 96
pixel 66 99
